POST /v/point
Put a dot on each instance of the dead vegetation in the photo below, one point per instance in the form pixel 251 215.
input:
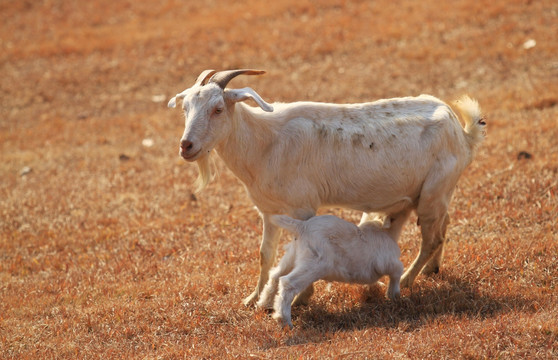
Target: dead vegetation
pixel 105 252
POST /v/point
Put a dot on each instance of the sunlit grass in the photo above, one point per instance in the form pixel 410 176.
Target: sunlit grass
pixel 105 251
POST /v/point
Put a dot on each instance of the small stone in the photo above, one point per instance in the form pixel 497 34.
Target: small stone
pixel 524 155
pixel 529 44
pixel 147 142
pixel 158 98
pixel 25 171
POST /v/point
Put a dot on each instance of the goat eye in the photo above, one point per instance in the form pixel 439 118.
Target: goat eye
pixel 218 110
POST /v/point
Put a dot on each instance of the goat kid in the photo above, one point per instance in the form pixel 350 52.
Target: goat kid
pixel 329 248
pixel 295 158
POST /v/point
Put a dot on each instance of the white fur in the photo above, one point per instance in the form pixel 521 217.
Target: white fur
pixel 329 248
pixel 305 155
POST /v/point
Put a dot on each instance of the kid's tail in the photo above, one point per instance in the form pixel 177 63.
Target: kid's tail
pixel 287 223
pixel 470 112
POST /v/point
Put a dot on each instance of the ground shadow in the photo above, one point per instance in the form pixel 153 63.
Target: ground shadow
pixel 451 296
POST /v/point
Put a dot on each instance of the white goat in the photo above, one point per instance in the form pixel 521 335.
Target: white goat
pixel 294 158
pixel 329 248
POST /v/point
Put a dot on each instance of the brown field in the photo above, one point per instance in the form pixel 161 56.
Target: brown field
pixel 106 253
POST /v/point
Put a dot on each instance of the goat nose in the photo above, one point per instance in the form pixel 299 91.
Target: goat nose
pixel 186 145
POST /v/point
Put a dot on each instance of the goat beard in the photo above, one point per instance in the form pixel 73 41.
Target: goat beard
pixel 206 168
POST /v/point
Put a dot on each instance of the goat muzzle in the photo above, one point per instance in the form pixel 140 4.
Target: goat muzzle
pixel 187 150
pixel 186 145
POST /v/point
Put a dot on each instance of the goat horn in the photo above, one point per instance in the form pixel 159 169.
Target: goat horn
pixel 222 78
pixel 204 76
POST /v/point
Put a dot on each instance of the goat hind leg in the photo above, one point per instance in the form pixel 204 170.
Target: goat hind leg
pixel 303 298
pixel 432 211
pixel 432 241
pixel 434 264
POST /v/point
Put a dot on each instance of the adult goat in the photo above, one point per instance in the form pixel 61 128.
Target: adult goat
pixel 297 157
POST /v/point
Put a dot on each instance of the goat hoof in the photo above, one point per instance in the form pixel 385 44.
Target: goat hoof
pixel 284 324
pixel 251 299
pixel 406 282
pixel 265 306
pixel 393 296
pixel 429 270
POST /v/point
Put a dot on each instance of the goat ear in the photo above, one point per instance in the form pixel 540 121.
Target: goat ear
pixel 286 222
pixel 237 95
pixel 172 102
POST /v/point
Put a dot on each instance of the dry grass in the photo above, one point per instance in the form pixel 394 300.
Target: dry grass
pixel 105 252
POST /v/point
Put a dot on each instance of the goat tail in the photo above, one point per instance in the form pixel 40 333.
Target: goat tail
pixel 287 223
pixel 470 112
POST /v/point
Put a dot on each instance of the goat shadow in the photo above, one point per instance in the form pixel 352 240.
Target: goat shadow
pixel 417 307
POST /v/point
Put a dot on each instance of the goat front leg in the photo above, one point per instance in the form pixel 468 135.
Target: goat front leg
pixel 304 296
pixel 285 266
pixel 394 289
pixel 302 277
pixel 268 249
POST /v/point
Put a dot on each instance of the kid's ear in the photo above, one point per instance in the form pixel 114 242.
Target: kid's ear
pixel 237 95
